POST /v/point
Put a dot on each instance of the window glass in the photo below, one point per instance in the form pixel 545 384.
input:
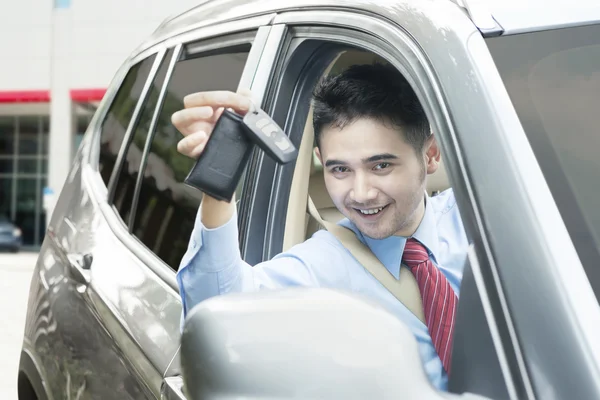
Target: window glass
pixel 6 189
pixel 167 208
pixel 119 114
pixel 28 165
pixel 553 79
pixel 26 208
pixel 7 136
pixel 45 134
pixel 125 186
pixel 29 129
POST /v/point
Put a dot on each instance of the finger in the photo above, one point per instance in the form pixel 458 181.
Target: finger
pixel 245 92
pixel 219 98
pixel 189 143
pixel 217 114
pixel 195 153
pixel 200 126
pixel 248 94
pixel 182 119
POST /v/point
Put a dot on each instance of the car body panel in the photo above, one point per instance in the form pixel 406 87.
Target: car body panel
pixel 125 318
pixel 65 332
pixel 533 14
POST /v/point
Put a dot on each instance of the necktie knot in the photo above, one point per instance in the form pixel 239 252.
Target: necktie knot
pixel 414 253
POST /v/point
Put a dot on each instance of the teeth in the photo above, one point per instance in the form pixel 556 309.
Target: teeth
pixel 372 211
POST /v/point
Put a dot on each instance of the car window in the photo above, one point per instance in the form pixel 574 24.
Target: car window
pixel 553 79
pixel 125 186
pixel 167 208
pixel 119 114
pixel 290 224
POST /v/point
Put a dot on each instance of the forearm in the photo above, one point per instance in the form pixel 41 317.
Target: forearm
pixel 212 264
pixel 215 213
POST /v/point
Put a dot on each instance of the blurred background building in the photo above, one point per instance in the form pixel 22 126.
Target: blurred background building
pixel 56 60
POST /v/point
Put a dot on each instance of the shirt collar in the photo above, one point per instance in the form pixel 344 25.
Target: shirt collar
pixel 389 250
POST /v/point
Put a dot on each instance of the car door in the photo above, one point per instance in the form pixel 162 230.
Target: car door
pixel 76 357
pixel 497 350
pixel 314 46
pixel 153 203
pixel 110 311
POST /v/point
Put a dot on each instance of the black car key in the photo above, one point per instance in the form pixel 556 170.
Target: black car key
pixel 269 136
pixel 221 164
pixel 228 149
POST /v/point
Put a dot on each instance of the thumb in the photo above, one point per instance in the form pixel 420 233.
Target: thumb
pixel 248 93
pixel 245 92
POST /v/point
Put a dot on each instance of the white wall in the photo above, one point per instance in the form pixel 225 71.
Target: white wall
pixel 25 44
pixel 93 39
pixel 77 47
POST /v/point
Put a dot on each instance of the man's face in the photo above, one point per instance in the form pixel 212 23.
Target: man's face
pixel 375 178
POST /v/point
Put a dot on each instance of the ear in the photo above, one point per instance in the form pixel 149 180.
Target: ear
pixel 318 153
pixel 432 155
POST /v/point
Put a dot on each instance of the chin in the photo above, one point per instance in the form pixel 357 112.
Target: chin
pixel 374 233
pixel 377 235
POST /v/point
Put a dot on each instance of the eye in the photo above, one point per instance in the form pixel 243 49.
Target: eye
pixel 339 170
pixel 383 165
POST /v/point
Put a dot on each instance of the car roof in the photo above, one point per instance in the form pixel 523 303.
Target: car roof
pixel 513 16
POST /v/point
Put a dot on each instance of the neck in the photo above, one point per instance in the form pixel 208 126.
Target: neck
pixel 414 221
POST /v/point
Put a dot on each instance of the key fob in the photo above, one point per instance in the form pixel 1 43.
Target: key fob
pixel 265 133
pixel 220 166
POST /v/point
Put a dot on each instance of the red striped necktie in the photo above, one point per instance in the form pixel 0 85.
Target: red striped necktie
pixel 439 299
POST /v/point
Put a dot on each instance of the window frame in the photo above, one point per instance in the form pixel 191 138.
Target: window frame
pixel 148 143
pixel 130 133
pixel 102 113
pixel 199 49
pixel 133 124
pixel 258 36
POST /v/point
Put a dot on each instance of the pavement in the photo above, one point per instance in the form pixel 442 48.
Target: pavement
pixel 15 276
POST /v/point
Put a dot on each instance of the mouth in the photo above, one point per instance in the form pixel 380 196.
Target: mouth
pixel 370 214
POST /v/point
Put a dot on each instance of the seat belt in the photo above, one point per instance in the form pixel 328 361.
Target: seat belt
pixel 405 289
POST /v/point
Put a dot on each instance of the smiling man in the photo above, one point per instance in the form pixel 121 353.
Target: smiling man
pixel 376 146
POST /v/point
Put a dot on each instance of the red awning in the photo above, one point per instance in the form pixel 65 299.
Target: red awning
pixel 25 96
pixel 43 96
pixel 85 95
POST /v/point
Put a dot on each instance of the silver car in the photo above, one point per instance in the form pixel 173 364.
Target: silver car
pixel 512 90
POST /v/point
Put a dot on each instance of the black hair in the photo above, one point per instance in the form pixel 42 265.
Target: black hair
pixel 376 91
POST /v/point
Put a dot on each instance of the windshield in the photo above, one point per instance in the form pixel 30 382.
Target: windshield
pixel 553 79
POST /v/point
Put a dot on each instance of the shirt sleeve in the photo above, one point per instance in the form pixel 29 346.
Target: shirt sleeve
pixel 212 265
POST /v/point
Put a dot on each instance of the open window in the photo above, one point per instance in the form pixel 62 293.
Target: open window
pixel 286 189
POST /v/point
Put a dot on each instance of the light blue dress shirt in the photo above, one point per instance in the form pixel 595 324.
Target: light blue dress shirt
pixel 212 265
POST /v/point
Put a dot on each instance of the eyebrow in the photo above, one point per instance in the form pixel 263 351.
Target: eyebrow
pixel 368 160
pixel 379 157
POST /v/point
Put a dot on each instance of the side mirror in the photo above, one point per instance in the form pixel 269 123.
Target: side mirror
pixel 300 344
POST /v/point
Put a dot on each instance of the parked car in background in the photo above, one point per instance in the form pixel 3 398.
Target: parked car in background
pixel 511 90
pixel 11 236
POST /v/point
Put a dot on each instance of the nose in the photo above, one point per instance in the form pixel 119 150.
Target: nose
pixel 362 191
